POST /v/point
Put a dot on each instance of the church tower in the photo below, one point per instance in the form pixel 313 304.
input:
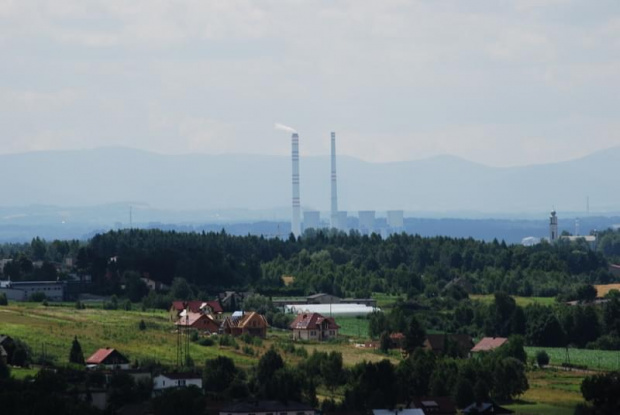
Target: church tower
pixel 553 227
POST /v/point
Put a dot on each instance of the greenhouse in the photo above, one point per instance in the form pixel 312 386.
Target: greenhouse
pixel 331 309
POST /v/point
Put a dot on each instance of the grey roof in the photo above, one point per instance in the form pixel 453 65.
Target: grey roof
pixel 266 406
pixel 319 295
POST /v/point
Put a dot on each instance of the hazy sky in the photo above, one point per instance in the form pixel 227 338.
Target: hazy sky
pixel 498 82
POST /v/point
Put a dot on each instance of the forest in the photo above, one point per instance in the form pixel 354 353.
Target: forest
pixel 322 261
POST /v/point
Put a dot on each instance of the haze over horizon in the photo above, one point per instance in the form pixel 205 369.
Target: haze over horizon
pixel 503 84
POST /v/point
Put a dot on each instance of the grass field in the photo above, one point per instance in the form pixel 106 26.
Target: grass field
pixel 593 359
pixel 353 326
pixel 52 329
pixel 552 392
pixel 521 301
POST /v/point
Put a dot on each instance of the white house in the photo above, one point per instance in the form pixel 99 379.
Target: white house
pixel 175 380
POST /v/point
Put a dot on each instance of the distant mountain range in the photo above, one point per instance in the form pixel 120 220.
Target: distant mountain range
pixel 223 183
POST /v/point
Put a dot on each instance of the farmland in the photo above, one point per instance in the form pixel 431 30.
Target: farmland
pixel 593 359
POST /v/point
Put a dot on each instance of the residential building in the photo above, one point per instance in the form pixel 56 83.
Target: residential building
pixel 198 321
pixel 107 358
pixel 488 344
pixel 313 326
pixel 268 408
pixel 250 323
pixel 435 405
pixel 196 306
pixel 175 380
pixel 486 408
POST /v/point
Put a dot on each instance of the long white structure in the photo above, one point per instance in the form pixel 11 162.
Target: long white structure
pixel 296 219
pixel 334 205
pixel 331 309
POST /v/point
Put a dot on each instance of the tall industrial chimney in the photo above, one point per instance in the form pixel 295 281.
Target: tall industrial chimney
pixel 334 211
pixel 296 220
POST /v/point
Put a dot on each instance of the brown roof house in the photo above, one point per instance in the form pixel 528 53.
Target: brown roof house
pixel 449 344
pixel 488 344
pixel 250 323
pixel 196 306
pixel 107 359
pixel 435 405
pixel 313 326
pixel 198 321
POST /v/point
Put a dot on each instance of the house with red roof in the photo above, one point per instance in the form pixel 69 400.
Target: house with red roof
pixel 488 344
pixel 198 321
pixel 196 306
pixel 107 358
pixel 250 323
pixel 313 326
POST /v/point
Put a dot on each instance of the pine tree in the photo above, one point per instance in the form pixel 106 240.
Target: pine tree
pixel 76 355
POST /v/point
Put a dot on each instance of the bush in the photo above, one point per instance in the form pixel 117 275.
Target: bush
pixel 301 352
pixel 3 299
pixel 248 350
pixel 112 304
pixel 542 358
pixel 127 305
pixel 227 340
pixel 142 325
pixel 206 341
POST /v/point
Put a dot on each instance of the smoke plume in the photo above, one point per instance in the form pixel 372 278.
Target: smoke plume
pixel 283 127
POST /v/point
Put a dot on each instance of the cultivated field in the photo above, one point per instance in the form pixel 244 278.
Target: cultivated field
pixel 593 359
pixel 603 289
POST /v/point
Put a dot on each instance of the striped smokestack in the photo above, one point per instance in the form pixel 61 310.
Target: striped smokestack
pixel 296 220
pixel 334 210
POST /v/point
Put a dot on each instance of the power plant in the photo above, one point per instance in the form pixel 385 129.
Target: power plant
pixel 338 219
pixel 296 220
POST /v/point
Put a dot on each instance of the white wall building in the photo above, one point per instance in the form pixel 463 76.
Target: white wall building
pixel 175 380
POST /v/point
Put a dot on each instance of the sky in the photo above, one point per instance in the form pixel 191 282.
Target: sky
pixel 502 83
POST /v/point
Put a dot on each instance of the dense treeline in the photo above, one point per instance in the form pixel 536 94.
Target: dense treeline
pixel 558 325
pixel 338 263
